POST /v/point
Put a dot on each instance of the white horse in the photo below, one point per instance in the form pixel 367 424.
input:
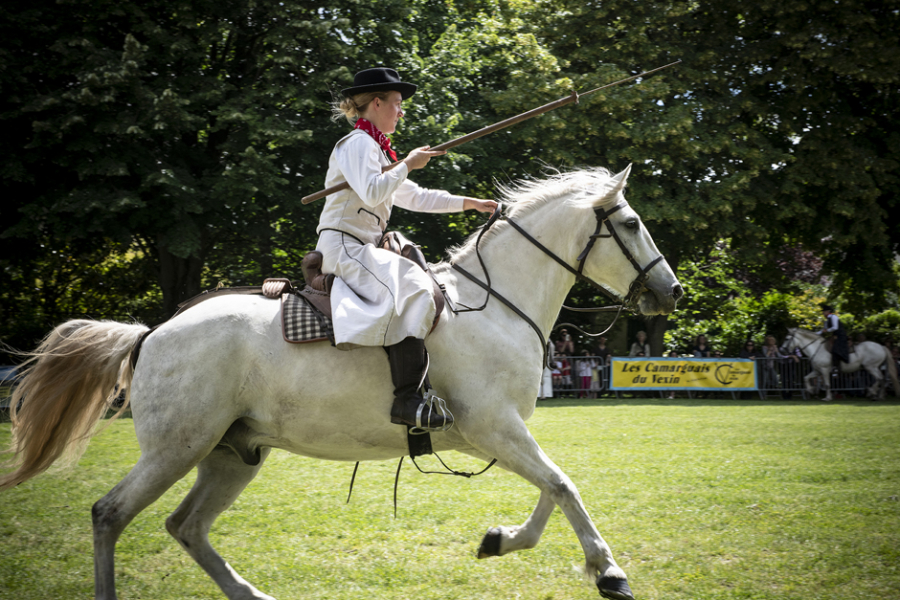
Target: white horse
pixel 217 382
pixel 866 355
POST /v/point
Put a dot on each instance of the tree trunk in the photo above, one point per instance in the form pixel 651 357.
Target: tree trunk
pixel 179 279
pixel 656 328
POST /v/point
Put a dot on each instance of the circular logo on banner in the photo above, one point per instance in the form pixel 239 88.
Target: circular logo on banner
pixel 724 375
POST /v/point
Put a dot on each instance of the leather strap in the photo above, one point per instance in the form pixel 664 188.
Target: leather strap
pixel 577 273
pixel 492 292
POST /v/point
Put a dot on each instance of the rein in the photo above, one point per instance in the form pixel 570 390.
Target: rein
pixel 602 215
pixel 634 292
pixel 794 337
pixel 449 471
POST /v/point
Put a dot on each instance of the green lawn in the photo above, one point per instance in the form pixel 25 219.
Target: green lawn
pixel 698 499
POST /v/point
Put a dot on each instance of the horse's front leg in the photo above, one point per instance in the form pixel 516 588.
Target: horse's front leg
pixel 508 439
pixel 501 540
pixel 825 375
pixel 812 386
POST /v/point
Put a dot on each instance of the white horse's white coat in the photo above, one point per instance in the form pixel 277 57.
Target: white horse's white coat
pixel 224 363
pixel 866 355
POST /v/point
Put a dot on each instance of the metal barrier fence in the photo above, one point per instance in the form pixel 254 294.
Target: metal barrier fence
pixel 776 378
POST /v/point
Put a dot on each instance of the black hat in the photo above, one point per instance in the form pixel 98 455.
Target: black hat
pixel 826 306
pixel 379 79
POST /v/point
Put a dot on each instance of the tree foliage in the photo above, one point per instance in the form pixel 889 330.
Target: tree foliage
pixel 732 304
pixel 189 131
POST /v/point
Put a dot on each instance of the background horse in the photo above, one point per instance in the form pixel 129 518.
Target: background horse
pixel 866 355
pixel 216 388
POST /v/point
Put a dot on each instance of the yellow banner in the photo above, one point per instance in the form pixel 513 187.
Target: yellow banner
pixel 683 374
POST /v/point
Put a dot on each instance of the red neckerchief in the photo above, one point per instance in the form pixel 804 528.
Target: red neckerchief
pixel 379 137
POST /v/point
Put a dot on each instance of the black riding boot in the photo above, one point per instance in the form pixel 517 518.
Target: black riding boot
pixel 409 362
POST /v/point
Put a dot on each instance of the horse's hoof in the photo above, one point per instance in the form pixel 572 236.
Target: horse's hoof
pixel 614 588
pixel 490 544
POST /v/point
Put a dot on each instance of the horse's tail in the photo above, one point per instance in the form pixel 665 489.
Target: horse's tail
pixel 66 387
pixel 892 371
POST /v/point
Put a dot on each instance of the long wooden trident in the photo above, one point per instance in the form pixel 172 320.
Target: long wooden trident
pixel 496 127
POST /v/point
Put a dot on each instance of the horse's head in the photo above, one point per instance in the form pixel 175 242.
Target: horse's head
pixel 790 341
pixel 580 219
pixel 620 254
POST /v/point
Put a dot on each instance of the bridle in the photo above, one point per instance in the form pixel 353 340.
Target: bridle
pixel 602 215
pixel 792 336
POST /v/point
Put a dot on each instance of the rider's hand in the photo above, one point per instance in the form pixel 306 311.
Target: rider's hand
pixel 479 205
pixel 419 157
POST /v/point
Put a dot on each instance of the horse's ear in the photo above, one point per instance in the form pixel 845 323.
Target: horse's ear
pixel 621 177
pixel 617 185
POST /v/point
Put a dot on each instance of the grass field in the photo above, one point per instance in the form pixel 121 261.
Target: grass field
pixel 707 500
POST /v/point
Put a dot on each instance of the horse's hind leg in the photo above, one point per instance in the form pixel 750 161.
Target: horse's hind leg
pixel 877 389
pixel 148 480
pixel 501 540
pixel 221 477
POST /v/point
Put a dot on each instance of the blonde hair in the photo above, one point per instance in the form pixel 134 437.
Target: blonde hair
pixel 353 107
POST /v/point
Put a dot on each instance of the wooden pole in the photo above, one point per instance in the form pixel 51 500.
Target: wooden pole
pixel 495 127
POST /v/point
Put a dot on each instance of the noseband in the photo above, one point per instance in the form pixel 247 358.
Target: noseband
pixel 602 215
pixel 793 338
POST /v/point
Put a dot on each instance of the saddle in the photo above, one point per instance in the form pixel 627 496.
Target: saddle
pixel 317 290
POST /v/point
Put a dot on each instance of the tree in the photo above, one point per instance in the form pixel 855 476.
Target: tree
pixel 779 126
pixel 191 130
pixel 732 303
pixel 171 124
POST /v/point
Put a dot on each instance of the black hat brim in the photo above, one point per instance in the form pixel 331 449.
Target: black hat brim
pixel 406 89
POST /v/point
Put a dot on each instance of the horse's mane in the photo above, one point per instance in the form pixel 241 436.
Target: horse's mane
pixel 527 195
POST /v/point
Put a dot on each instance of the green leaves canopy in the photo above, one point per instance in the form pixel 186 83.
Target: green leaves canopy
pixel 188 131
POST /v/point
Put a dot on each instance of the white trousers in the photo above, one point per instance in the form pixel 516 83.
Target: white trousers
pixel 379 298
pixel 546 384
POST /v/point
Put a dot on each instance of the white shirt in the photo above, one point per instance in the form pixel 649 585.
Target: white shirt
pixel 364 209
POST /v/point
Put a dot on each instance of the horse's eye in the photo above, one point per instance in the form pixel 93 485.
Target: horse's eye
pixel 631 224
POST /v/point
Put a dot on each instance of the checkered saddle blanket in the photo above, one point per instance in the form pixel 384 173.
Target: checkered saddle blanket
pixel 302 323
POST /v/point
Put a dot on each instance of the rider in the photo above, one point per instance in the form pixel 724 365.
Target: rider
pixel 378 297
pixel 839 349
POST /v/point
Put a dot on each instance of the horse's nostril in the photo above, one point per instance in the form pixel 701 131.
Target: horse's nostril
pixel 677 292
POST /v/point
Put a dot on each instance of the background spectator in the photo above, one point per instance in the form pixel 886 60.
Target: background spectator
pixel 597 384
pixel 750 350
pixel 565 345
pixel 640 347
pixel 773 358
pixel 585 369
pixel 602 351
pixel 565 372
pixel 701 348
